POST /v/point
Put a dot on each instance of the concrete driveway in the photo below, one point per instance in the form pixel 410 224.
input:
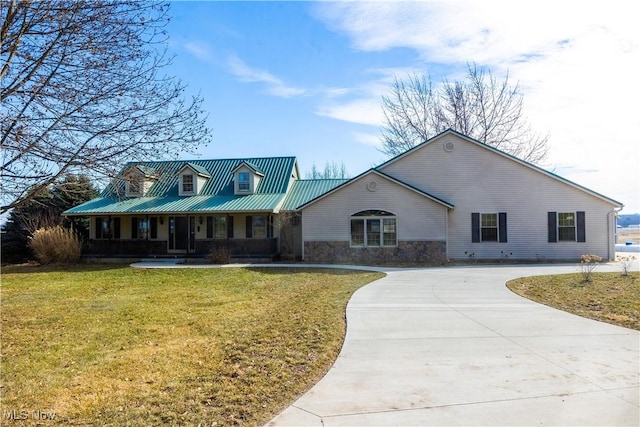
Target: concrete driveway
pixel 453 346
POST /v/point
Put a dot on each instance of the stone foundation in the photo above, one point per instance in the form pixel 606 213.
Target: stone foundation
pixel 339 252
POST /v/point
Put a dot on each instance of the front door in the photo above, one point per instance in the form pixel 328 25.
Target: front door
pixel 178 234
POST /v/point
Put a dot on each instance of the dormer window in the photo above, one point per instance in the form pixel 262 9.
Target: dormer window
pixel 133 187
pixel 244 183
pixel 187 183
pixel 247 177
pixel 138 180
pixel 192 179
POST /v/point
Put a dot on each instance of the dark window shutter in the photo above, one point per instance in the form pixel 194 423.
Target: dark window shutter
pixel 475 227
pixel 229 227
pixel 116 228
pixel 249 227
pixel 134 228
pixel 502 227
pixel 153 227
pixel 98 228
pixel 209 227
pixel 551 227
pixel 581 237
pixel 269 226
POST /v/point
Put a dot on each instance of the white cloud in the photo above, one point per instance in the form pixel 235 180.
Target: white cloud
pixel 275 86
pixel 361 104
pixel 361 111
pixel 367 138
pixel 199 50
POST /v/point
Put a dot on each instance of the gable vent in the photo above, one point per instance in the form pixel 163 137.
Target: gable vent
pixel 449 146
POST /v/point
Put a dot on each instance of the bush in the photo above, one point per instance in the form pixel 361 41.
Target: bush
pixel 588 263
pixel 56 245
pixel 625 263
pixel 220 256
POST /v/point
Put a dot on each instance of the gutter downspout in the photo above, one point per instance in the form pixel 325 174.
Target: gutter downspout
pixel 446 233
pixel 302 233
pixel 611 226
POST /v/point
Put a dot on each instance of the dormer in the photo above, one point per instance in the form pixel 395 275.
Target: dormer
pixel 138 179
pixel 246 178
pixel 191 179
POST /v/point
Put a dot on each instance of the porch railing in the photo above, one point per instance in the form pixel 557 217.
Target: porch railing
pixel 144 248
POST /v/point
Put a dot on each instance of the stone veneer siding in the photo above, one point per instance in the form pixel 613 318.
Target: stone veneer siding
pixel 340 252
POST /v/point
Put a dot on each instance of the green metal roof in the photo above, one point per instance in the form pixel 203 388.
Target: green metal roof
pixel 277 173
pixel 199 169
pixel 217 195
pixel 174 204
pixel 305 190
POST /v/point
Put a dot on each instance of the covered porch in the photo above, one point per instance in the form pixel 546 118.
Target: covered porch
pixel 237 248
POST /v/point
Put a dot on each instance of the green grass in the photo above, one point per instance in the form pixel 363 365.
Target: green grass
pixel 113 345
pixel 608 297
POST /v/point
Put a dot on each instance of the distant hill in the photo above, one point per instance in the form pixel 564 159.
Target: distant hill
pixel 627 220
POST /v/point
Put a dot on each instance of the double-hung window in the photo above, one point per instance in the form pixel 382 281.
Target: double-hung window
pixel 373 228
pixel 244 183
pixel 489 227
pixel 566 226
pixel 107 228
pixel 139 228
pixel 187 183
pixel 134 187
pixel 219 227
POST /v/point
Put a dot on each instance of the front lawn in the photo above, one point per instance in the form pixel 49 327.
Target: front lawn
pixel 113 345
pixel 609 297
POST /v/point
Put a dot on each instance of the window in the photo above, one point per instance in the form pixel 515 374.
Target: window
pixel 373 228
pixel 566 226
pixel 217 227
pixel 187 183
pixel 243 181
pixel 134 188
pixel 139 228
pixel 107 228
pixel 259 226
pixel 489 227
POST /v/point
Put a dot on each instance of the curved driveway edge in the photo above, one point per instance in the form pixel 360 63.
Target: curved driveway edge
pixel 453 346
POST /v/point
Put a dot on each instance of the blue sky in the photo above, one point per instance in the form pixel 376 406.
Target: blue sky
pixel 306 78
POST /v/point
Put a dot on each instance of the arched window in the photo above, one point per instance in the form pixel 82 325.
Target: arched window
pixel 373 228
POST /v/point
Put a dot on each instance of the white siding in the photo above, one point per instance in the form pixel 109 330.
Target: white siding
pixel 418 218
pixel 476 179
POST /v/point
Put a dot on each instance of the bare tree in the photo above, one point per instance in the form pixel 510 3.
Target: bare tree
pixel 481 106
pixel 82 92
pixel 332 170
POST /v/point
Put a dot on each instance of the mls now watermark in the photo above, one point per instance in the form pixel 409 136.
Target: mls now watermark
pixel 24 414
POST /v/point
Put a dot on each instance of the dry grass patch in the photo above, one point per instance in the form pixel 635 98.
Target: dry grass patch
pixel 112 345
pixel 608 297
pixel 628 235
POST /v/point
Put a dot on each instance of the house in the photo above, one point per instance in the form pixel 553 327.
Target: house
pixel 449 198
pixel 179 208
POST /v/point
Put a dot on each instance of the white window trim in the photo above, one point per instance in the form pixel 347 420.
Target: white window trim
pixel 366 218
pixel 193 184
pixel 138 193
pixel 575 227
pixel 497 227
pixel 249 182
